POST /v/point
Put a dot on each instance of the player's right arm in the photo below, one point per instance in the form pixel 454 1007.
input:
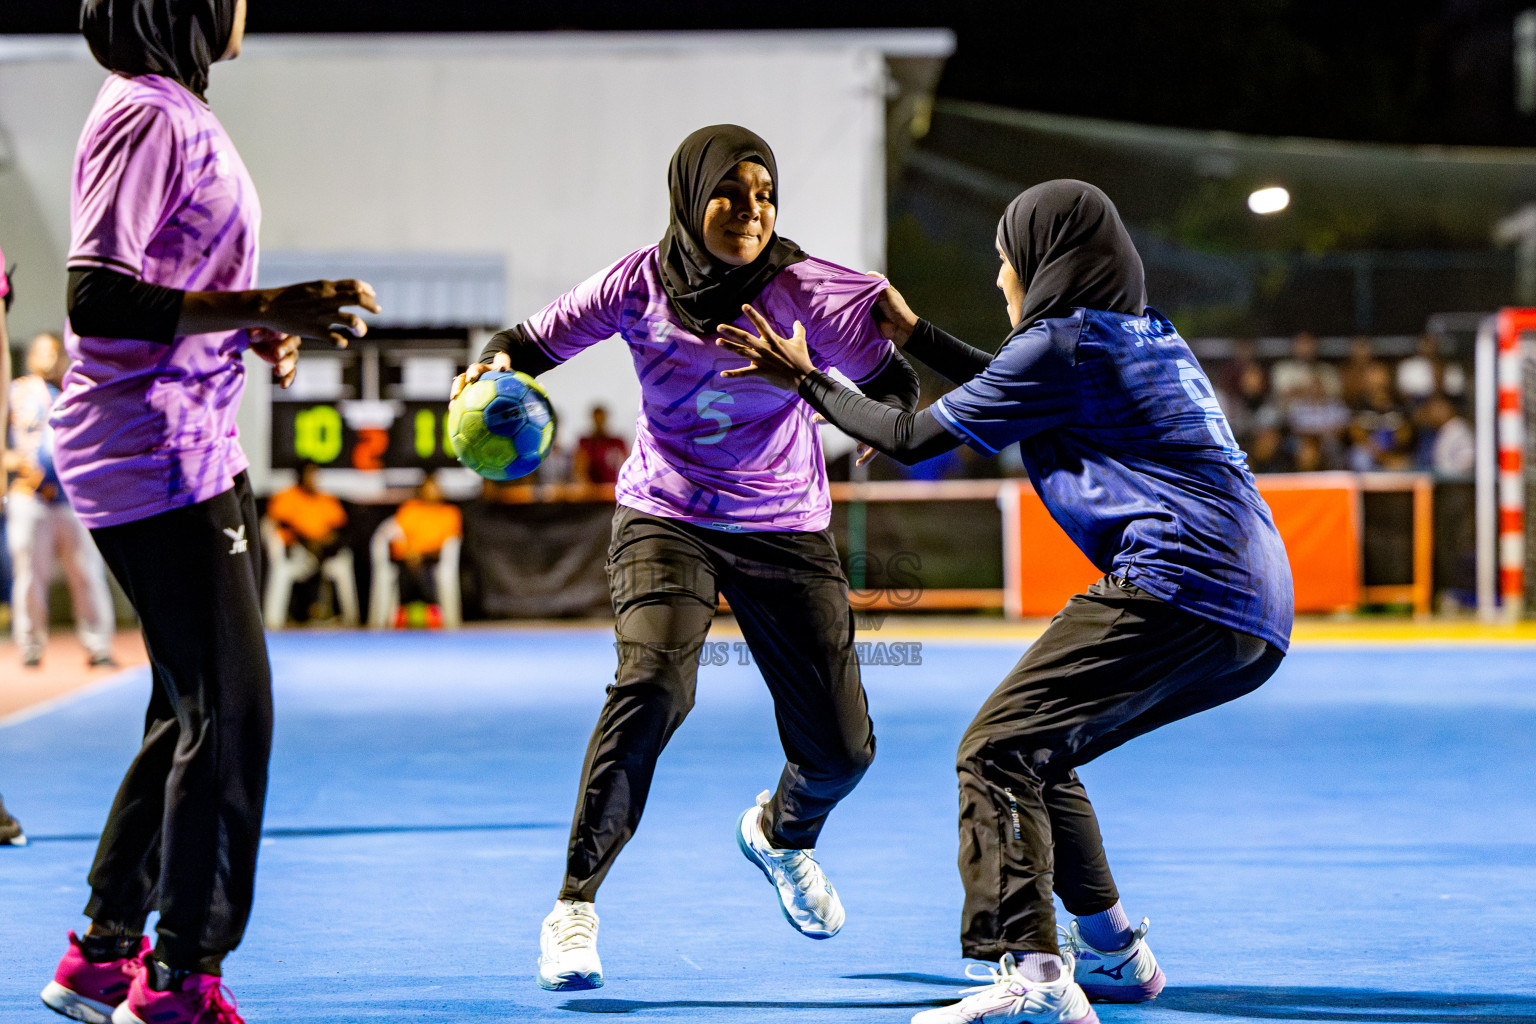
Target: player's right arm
pixel 128 190
pixel 582 317
pixel 945 354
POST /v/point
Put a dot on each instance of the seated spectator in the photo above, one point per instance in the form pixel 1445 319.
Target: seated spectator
pixel 1449 446
pixel 1381 436
pixel 1355 374
pixel 309 518
pixel 1243 359
pixel 599 454
pixel 1317 419
pixel 426 523
pixel 1304 373
pixel 1244 398
pixel 1424 374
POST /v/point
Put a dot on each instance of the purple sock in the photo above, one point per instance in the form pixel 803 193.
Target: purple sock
pixel 1108 931
pixel 1039 966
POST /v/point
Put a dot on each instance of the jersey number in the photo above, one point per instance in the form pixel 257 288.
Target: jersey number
pixel 706 401
pixel 1202 394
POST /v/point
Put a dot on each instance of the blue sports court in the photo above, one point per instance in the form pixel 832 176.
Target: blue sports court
pixel 1354 842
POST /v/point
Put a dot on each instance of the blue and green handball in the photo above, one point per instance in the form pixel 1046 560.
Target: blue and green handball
pixel 502 425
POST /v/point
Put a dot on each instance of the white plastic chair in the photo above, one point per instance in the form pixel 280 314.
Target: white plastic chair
pixel 287 566
pixel 384 592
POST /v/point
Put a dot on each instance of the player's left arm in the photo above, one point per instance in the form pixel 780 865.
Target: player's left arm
pixel 906 436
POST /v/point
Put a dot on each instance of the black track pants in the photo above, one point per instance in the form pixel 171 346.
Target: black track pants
pixel 790 598
pixel 183 832
pixel 1114 664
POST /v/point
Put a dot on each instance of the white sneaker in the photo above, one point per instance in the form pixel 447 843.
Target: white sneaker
pixel 808 901
pixel 568 948
pixel 1010 998
pixel 1130 975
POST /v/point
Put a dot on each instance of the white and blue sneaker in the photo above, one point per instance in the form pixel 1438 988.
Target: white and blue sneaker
pixel 1007 997
pixel 568 948
pixel 808 901
pixel 1130 975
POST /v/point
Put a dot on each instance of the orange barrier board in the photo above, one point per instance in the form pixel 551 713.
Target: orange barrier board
pixel 1317 514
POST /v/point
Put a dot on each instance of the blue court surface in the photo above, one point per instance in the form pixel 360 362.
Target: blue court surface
pixel 1354 842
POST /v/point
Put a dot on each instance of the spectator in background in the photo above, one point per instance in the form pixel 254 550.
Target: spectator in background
pixel 426 523
pixel 11 833
pixel 309 518
pixel 1381 436
pixel 1243 359
pixel 1317 420
pixel 1244 397
pixel 1304 374
pixel 41 526
pixel 1448 446
pixel 1424 374
pixel 7 294
pixel 599 454
pixel 1355 374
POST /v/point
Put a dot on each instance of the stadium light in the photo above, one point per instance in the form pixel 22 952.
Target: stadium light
pixel 1269 200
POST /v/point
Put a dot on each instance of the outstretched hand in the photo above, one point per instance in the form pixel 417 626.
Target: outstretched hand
pixel 782 362
pixel 313 309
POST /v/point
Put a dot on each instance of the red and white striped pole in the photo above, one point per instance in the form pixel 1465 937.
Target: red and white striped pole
pixel 1511 448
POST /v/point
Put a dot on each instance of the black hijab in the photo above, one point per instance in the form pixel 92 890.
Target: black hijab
pixel 1065 241
pixel 704 291
pixel 179 39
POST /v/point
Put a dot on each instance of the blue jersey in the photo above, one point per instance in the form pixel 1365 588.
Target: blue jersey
pixel 1130 453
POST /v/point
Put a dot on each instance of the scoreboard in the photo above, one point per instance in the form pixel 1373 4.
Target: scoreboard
pixel 380 404
pixel 361 435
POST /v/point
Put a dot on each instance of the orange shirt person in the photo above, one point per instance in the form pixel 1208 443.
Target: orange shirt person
pixel 426 522
pixel 305 515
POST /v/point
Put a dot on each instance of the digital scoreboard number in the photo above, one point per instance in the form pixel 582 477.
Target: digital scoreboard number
pixel 380 404
pixel 359 435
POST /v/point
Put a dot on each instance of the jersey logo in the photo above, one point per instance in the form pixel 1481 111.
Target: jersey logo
pixel 1203 395
pixel 705 403
pixel 237 541
pixel 1118 971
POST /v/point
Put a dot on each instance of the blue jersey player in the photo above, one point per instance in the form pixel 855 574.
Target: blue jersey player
pixel 1128 449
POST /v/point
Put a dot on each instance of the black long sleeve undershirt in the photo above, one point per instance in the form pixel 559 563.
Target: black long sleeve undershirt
pixel 895 385
pixel 946 354
pixel 104 303
pixel 527 355
pixel 905 436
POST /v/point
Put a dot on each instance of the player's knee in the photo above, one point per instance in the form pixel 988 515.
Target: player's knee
pixel 853 759
pixel 662 675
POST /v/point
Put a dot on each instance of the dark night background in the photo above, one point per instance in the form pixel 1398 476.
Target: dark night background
pixel 1385 70
pixel 1376 240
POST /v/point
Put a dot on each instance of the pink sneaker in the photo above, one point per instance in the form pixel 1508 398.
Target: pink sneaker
pixel 202 999
pixel 85 991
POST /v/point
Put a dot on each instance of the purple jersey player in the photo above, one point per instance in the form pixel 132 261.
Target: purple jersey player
pixel 725 492
pixel 1128 449
pixel 162 260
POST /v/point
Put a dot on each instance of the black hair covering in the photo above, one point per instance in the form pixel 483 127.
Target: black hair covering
pixel 704 291
pixel 179 39
pixel 1065 240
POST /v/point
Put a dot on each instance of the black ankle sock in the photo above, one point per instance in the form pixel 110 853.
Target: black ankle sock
pixel 163 978
pixel 100 949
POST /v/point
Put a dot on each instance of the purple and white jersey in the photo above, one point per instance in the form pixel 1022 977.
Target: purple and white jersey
pixel 161 194
pixel 723 452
